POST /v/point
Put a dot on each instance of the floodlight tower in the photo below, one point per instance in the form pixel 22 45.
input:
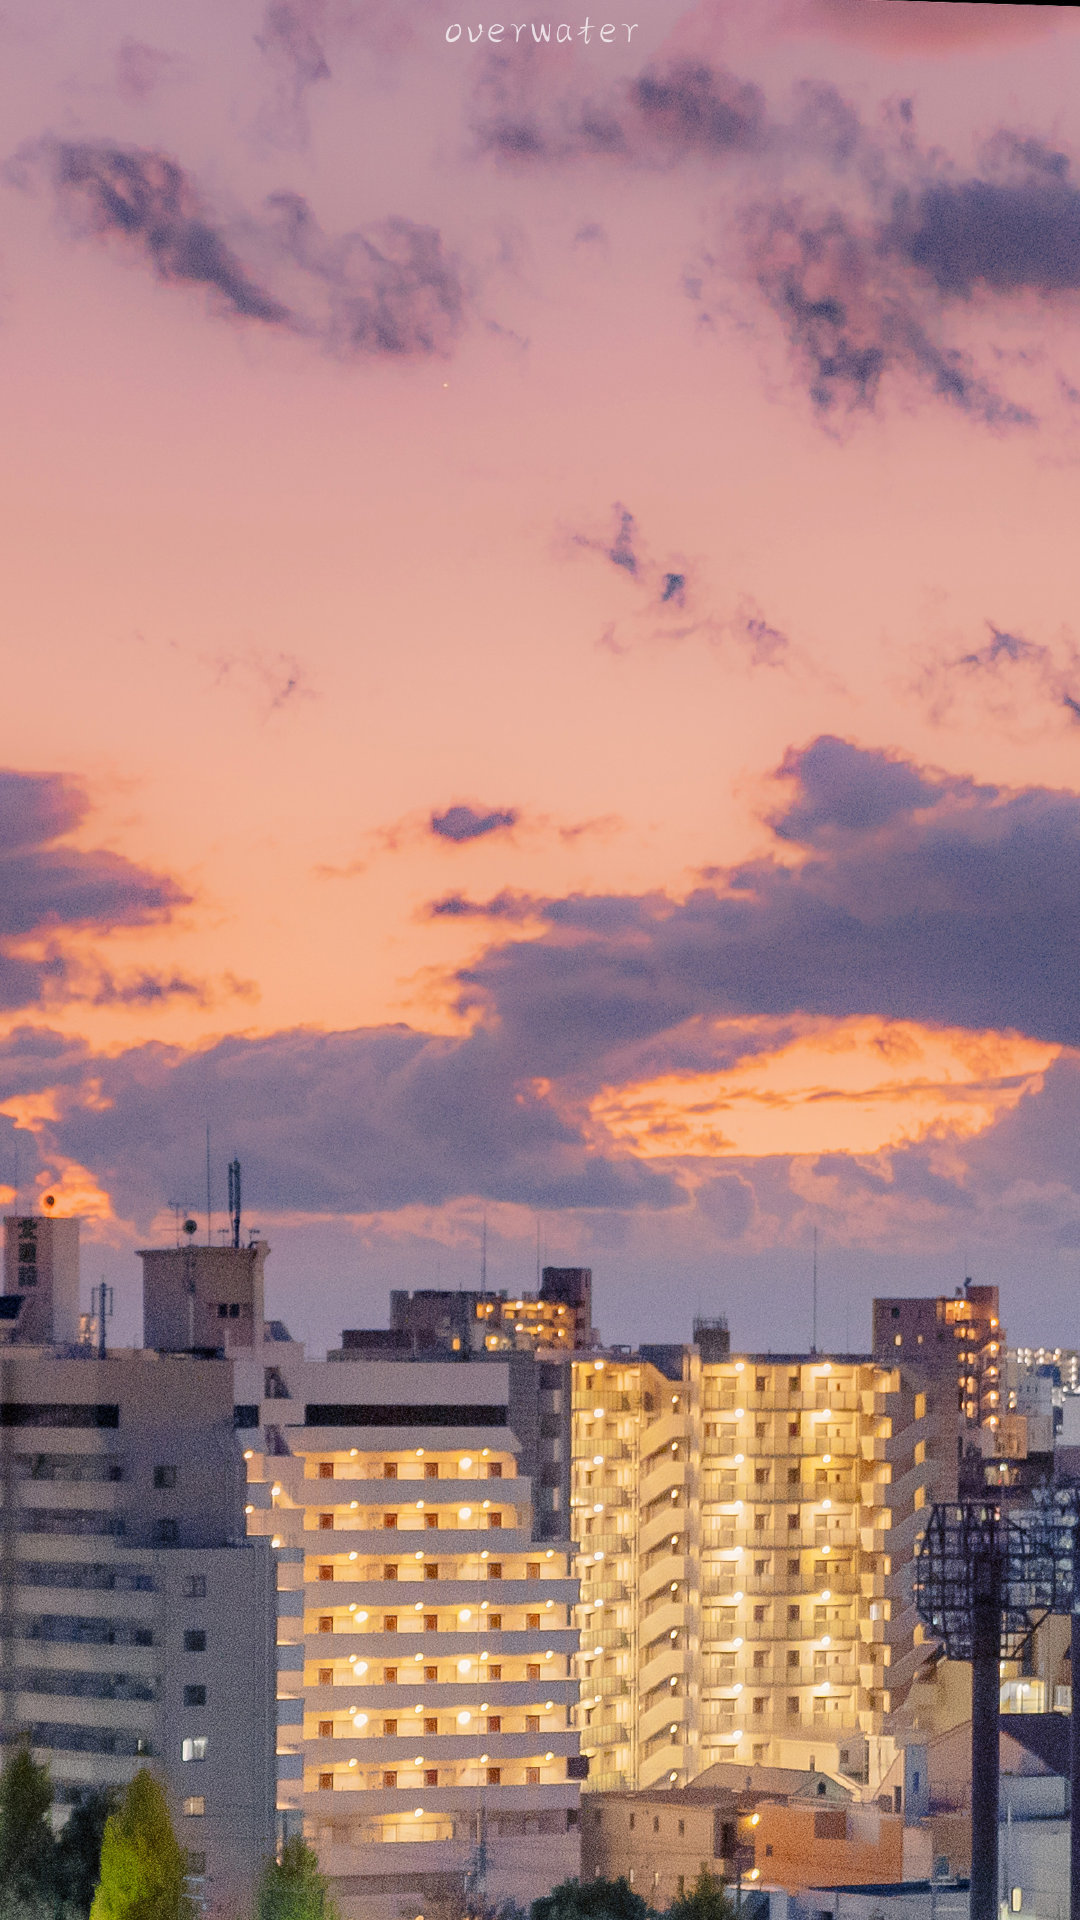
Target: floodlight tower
pixel 982 1584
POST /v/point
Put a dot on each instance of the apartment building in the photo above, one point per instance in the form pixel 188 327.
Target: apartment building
pixel 955 1338
pixel 434 1322
pixel 426 1625
pixel 745 1527
pixel 136 1619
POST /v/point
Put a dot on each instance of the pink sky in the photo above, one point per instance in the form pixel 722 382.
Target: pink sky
pixel 274 599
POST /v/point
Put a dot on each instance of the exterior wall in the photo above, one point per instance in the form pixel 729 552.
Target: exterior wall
pixel 120 1536
pixel 660 1841
pixel 745 1544
pixel 958 1338
pixel 41 1262
pixel 426 1636
pixel 203 1297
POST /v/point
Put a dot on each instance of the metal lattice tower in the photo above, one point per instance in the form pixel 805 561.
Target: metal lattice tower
pixel 983 1581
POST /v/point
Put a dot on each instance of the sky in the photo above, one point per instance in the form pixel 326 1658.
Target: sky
pixel 540 649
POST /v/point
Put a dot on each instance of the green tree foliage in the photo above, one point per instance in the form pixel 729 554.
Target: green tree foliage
pixel 708 1899
pixel 142 1862
pixel 591 1900
pixel 78 1852
pixel 27 1848
pixel 292 1888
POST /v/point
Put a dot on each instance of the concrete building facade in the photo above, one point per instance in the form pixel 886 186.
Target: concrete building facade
pixel 426 1627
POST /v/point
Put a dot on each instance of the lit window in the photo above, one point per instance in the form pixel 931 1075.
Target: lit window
pixel 195 1805
pixel 194 1748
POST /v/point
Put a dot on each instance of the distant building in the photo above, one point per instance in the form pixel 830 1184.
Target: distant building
pixel 956 1338
pixel 136 1619
pixel 435 1324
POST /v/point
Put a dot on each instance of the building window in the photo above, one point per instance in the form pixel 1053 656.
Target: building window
pixel 759 1657
pixel 495 1622
pixel 389 1572
pixel 759 1703
pixel 389 1470
pixel 495 1673
pixel 194 1748
pixel 494 1776
pixel 494 1471
pixel 326 1676
pixel 194 1696
pixel 759 1613
pixel 656 1823
pixel 532 1622
pixel 389 1519
pixel 532 1723
pixel 431 1571
pixel 431 1777
pixel 164 1476
pixel 793 1612
pixel 326 1522
pixel 431 1673
pixel 532 1672
pixel 389 1675
pixel 632 1818
pixel 792 1659
pixel 494 1519
pixel 494 1569
pixel 389 1624
pixel 532 1569
pixel 494 1723
pixel 195 1640
pixel 532 1776
pixel 793 1566
pixel 793 1428
pixel 326 1729
pixel 431 1726
pixel 431 1625
pixel 682 1829
pixel 793 1522
pixel 793 1704
pixel 431 1522
pixel 168 1533
pixel 389 1728
pixel 431 1469
pixel 389 1779
pixel 326 1573
pixel 326 1783
pixel 195 1805
pixel 194 1587
pixel 326 1469
pixel 326 1623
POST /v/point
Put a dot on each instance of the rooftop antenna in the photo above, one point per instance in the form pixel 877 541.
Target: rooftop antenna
pixel 234 1200
pixel 813 1333
pixel 483 1254
pixel 209 1234
pixel 103 1301
pixel 538 1253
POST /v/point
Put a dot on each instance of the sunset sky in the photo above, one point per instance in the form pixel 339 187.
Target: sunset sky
pixel 542 648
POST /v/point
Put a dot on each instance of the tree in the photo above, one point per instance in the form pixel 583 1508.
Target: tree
pixel 142 1863
pixel 292 1888
pixel 78 1851
pixel 27 1847
pixel 591 1900
pixel 708 1899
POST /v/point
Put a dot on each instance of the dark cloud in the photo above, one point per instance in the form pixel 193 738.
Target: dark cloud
pixel 932 900
pixel 506 905
pixel 665 114
pixel 47 889
pixel 1003 234
pixel 141 69
pixel 148 201
pixel 290 33
pixel 673 590
pixel 388 289
pixel 350 1122
pixel 462 823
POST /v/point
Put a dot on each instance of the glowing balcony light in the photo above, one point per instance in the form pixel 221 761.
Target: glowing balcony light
pixel 418 1606
pixel 826 1593
pixel 419 1506
pixel 826 1459
pixel 598 1459
pixel 274 1491
pixel 738 1458
pixel 548 1704
pixel 352 1763
pixel 352 1556
pixel 550 1654
pixel 598 1556
pixel 419 1554
pixel 418 1656
pixel 739 1412
pixel 353 1504
pixel 464 1513
pixel 549 1756
pixel 249 1453
pixel 276 1541
pixel 359 1719
pixel 464 1666
pixel 826 1504
pixel 352 1453
pixel 418 1813
pixel 826 1640
pixel 740 1366
pixel 465 1614
pixel 419 1761
pixel 755 1819
pixel 249 1508
pixel 736 1597
pixel 463 1719
pixel 361 1666
pixel 419 1453
pixel 550 1555
pixel 549 1603
pixel 361 1615
pixel 419 1707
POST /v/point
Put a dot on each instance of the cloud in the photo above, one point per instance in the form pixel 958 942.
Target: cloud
pixel 48 889
pixel 1010 681
pixel 386 289
pixel 141 70
pixel 663 115
pixel 349 1122
pixel 893 891
pixel 462 823
pixel 507 905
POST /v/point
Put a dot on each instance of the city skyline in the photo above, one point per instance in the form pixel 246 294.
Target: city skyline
pixel 542 681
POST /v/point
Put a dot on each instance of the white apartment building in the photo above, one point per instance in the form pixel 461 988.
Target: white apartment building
pixel 426 1633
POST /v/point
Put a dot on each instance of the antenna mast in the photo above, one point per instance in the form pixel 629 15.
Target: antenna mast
pixel 234 1200
pixel 483 1255
pixel 813 1340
